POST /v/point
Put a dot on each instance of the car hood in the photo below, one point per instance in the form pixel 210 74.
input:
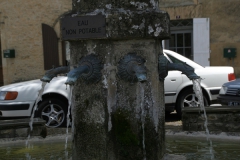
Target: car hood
pixel 32 83
pixel 11 87
pixel 29 90
pixel 233 84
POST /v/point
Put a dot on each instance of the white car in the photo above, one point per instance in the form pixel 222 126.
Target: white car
pixel 18 100
pixel 179 89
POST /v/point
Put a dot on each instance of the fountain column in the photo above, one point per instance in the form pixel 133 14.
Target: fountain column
pixel 115 118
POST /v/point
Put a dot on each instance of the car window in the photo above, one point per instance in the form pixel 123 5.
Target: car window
pixel 177 58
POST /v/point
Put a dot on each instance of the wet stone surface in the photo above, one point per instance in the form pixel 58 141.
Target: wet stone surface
pixel 84 5
pixel 102 108
pixel 174 126
pixel 116 24
pixel 219 119
pixel 19 128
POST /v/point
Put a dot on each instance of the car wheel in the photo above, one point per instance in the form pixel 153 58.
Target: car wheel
pixel 188 99
pixel 54 112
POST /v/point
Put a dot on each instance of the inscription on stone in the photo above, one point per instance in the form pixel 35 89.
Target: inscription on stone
pixel 83 27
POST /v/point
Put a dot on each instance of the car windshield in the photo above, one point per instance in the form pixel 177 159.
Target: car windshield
pixel 177 58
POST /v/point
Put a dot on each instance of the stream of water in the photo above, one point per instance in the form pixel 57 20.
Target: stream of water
pixel 198 92
pixel 68 119
pixel 39 98
pixel 143 115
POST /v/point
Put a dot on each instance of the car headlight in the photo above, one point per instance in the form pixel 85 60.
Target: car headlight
pixel 8 95
pixel 223 90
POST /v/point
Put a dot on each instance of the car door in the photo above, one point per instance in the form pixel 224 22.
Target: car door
pixel 171 84
pixel 172 81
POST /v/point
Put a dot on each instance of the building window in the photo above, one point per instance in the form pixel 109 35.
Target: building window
pixel 181 38
pixel 181 42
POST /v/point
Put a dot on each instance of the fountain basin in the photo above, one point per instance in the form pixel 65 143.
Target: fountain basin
pixel 220 119
pixel 194 147
pixel 17 128
pixel 178 147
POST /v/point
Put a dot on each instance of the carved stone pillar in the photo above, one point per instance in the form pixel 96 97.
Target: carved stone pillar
pixel 116 118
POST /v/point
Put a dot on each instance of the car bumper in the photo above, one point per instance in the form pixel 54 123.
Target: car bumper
pixel 225 100
pixel 4 107
pixel 15 109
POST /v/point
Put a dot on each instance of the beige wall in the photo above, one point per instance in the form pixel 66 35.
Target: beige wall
pixel 224 25
pixel 22 31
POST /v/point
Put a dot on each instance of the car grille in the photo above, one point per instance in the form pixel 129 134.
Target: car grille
pixel 233 91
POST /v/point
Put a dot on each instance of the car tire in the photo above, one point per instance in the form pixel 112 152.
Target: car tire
pixel 188 99
pixel 54 112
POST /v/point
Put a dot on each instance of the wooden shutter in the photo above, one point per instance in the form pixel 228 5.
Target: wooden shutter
pixel 50 47
pixel 201 41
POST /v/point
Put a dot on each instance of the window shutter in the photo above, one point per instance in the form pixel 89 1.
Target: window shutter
pixel 50 47
pixel 201 41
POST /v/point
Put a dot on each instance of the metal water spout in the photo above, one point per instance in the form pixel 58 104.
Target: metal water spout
pixel 74 74
pixel 186 69
pixel 164 66
pixel 89 69
pixel 131 68
pixel 50 74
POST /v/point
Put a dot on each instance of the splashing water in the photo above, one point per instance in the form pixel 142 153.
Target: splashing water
pixel 143 115
pixel 198 92
pixel 39 98
pixel 68 119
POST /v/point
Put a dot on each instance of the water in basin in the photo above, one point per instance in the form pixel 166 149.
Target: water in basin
pixel 36 150
pixel 198 148
pixel 191 147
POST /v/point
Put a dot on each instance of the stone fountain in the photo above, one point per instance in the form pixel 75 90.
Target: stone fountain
pixel 118 111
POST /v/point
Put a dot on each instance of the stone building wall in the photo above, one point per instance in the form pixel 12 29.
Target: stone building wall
pixel 21 30
pixel 224 25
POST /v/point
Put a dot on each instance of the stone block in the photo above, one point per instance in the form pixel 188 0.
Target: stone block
pixel 20 128
pixel 219 119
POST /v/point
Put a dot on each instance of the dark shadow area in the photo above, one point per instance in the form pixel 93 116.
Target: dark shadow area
pixel 171 117
pixel 173 123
